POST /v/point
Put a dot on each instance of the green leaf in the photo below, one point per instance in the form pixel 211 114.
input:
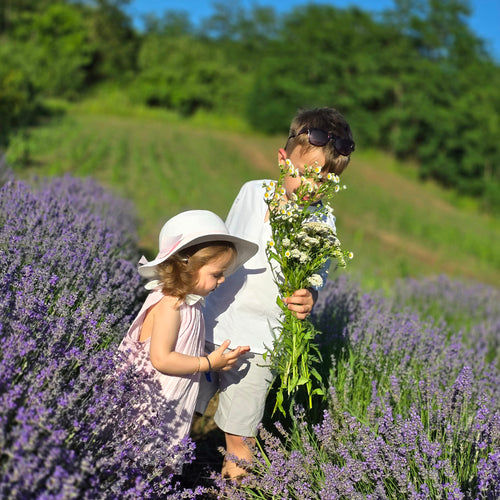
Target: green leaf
pixel 318 391
pixel 279 403
pixel 315 374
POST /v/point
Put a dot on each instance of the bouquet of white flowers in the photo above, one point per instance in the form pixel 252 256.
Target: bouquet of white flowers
pixel 302 245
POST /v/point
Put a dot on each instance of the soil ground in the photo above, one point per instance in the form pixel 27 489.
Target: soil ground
pixel 208 438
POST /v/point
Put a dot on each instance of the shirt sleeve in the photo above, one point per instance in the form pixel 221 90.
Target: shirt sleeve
pixel 233 215
pixel 247 207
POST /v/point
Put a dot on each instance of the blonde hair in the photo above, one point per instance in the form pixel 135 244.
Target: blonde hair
pixel 179 273
pixel 328 119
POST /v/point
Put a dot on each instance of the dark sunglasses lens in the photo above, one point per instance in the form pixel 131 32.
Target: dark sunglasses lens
pixel 318 137
pixel 344 146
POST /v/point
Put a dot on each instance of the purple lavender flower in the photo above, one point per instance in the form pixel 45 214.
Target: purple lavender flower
pixel 414 408
pixel 68 290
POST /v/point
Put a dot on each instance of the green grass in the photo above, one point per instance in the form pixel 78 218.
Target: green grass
pixel 395 225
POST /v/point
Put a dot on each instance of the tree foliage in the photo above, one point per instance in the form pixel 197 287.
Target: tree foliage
pixel 185 74
pixel 415 80
pixel 18 98
pixel 51 47
pixel 112 38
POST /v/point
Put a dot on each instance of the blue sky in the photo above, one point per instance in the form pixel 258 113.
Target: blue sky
pixel 485 19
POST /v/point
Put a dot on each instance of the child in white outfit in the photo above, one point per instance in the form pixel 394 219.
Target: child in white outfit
pixel 245 306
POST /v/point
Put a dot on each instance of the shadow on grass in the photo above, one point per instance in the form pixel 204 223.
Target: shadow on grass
pixel 208 439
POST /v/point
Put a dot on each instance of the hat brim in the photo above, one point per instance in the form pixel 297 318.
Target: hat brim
pixel 245 250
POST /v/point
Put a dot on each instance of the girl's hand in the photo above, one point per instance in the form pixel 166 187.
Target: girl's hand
pixel 301 303
pixel 221 361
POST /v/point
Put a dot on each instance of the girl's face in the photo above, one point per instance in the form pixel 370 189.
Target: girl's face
pixel 211 275
pixel 310 158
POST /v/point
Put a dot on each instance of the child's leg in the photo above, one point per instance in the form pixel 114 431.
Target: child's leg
pixel 239 447
pixel 242 399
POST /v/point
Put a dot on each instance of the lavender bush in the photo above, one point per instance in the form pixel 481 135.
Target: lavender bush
pixel 473 310
pixel 68 290
pixel 414 410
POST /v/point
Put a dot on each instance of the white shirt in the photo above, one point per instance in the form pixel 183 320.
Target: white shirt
pixel 243 309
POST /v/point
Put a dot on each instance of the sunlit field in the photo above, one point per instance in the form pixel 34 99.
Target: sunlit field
pixel 409 331
pixel 395 226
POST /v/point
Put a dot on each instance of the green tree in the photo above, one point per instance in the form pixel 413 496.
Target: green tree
pixel 327 56
pixel 172 23
pixel 448 109
pixel 50 45
pixel 13 13
pixel 113 40
pixel 438 29
pixel 18 96
pixel 185 74
pixel 244 34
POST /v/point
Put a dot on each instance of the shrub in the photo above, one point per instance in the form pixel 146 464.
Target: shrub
pixel 413 412
pixel 68 290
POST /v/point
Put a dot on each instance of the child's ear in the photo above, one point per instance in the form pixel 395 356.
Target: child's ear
pixel 281 156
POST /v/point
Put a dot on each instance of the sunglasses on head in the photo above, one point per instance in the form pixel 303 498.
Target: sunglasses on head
pixel 320 137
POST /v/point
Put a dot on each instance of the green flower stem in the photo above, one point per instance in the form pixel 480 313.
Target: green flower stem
pixel 301 245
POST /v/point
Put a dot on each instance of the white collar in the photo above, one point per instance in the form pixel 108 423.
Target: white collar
pixel 191 299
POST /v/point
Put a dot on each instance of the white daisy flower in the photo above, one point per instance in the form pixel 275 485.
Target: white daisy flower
pixel 303 257
pixel 315 280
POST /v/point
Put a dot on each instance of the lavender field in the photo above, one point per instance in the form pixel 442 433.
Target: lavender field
pixel 413 410
pixel 68 290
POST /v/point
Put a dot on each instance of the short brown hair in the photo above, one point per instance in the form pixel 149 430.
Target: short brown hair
pixel 179 273
pixel 328 119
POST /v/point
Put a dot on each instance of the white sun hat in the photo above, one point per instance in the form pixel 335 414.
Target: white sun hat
pixel 191 228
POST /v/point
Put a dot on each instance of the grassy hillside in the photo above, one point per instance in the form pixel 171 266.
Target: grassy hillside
pixel 394 225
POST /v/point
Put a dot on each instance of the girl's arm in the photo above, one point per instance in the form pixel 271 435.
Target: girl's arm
pixel 166 321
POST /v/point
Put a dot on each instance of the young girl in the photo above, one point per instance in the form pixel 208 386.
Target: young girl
pixel 166 340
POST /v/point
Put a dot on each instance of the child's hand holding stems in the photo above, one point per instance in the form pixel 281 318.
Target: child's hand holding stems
pixel 301 302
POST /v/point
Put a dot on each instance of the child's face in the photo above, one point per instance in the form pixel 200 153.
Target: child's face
pixel 211 275
pixel 313 157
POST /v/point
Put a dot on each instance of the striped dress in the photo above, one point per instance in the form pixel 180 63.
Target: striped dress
pixel 180 391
